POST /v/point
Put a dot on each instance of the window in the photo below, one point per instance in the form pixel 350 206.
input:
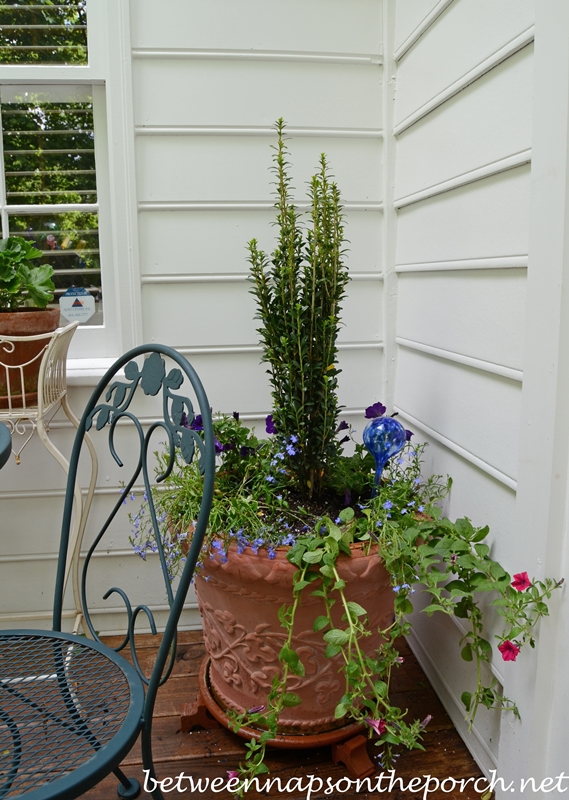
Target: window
pixel 48 194
pixel 33 32
pixel 66 164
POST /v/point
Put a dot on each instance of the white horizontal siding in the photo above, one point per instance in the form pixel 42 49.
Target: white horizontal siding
pixel 360 382
pixel 234 169
pixel 489 121
pixel 465 35
pixel 476 411
pixel 411 15
pixel 477 313
pixel 233 93
pixel 208 81
pixel 312 26
pixel 194 246
pixel 486 219
pixel 221 313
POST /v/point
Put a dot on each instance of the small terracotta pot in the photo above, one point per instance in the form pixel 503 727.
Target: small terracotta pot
pixel 24 322
pixel 239 602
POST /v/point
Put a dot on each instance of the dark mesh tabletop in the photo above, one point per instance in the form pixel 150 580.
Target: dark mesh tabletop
pixel 61 704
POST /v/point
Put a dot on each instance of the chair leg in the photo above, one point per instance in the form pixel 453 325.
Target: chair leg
pixel 128 788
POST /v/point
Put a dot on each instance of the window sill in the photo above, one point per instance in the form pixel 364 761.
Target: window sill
pixel 87 371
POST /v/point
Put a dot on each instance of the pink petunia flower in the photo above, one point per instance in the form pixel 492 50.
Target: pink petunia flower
pixel 378 725
pixel 521 581
pixel 509 650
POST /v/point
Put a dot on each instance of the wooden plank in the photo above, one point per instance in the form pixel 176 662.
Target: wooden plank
pixel 207 755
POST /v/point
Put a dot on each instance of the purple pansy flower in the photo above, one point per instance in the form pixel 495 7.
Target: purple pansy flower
pixel 376 410
pixel 197 424
pixel 269 424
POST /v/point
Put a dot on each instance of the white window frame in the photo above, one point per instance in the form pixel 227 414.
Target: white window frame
pixel 108 73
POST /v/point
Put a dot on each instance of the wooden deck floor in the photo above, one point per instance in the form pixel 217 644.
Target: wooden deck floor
pixel 209 754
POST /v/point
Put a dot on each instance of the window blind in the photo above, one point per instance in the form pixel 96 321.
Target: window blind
pixel 43 32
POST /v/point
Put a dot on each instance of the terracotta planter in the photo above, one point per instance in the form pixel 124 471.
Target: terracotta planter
pixel 239 602
pixel 24 322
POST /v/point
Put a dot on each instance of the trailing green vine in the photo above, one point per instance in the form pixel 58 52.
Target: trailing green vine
pixel 450 561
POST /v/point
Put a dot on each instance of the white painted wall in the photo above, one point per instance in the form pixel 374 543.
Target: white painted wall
pixel 191 100
pixel 480 256
pixel 452 160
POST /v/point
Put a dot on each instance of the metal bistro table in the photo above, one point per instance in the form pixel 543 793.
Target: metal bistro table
pixel 5 444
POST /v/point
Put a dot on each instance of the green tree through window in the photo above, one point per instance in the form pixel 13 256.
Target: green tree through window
pixel 43 32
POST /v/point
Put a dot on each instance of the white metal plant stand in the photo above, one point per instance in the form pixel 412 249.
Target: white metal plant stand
pixel 23 419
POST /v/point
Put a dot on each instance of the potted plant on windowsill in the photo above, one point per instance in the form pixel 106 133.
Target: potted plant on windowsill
pixel 297 524
pixel 25 292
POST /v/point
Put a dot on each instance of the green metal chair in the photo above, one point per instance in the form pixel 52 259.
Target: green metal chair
pixel 71 708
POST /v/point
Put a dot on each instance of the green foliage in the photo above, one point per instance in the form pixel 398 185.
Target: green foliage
pixel 49 158
pixel 298 293
pixel 59 35
pixel 251 503
pixel 421 549
pixel 48 151
pixel 20 283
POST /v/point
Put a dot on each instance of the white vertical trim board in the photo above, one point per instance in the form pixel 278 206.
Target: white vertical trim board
pixel 476 72
pixel 389 219
pixel 538 747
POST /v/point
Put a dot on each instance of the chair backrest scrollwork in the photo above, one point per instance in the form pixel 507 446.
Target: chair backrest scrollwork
pixel 117 402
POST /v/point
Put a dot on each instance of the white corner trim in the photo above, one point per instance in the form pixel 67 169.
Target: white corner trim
pixel 520 41
pixel 478 174
pixel 460 451
pixel 425 23
pixel 496 262
pixel 468 361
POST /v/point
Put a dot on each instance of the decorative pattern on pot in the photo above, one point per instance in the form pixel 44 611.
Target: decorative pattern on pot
pixel 239 599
